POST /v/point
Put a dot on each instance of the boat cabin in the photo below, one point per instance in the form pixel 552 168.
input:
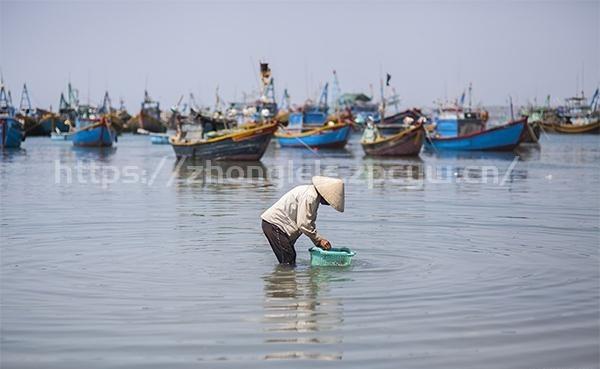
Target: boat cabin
pixel 453 122
pixel 150 107
pixel 86 116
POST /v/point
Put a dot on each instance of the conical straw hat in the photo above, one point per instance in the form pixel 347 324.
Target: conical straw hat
pixel 332 190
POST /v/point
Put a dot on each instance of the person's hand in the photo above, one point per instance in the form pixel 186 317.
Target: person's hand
pixel 324 244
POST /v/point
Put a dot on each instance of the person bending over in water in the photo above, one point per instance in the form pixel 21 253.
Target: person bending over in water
pixel 295 214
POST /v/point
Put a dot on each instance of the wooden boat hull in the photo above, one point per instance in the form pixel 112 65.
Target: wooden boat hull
pixel 247 145
pixel 33 126
pixel 98 135
pixel 501 138
pixel 531 133
pixel 406 143
pixel 49 124
pixel 547 127
pixel 394 124
pixel 593 127
pixel 147 123
pixel 323 137
pixel 11 133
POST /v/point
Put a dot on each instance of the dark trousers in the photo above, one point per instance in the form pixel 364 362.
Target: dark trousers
pixel 280 243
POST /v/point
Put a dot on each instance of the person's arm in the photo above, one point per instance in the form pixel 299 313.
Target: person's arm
pixel 307 214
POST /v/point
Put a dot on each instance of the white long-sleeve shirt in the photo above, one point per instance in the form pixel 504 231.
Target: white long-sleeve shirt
pixel 295 213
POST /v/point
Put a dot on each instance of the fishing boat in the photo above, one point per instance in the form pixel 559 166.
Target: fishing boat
pixel 92 130
pixel 50 121
pixel 500 138
pixel 401 134
pixel 159 138
pixel 333 135
pixel 149 117
pixel 313 114
pixel 397 122
pixel 577 116
pixel 244 143
pixel 29 116
pixel 531 133
pixel 118 118
pixel 67 113
pixel 593 126
pixel 408 142
pixel 11 130
pixel 360 105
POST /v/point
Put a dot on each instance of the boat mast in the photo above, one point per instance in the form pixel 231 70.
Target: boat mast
pixel 106 103
pixel 25 103
pixel 382 106
pixel 336 92
pixel 73 96
pixel 4 102
pixel 470 95
pixel 192 102
pixel 217 99
pixel 323 98
pixel 285 100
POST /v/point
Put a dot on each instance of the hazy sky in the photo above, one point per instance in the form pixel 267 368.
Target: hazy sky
pixel 432 49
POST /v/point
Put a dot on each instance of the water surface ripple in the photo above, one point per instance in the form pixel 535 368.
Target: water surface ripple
pixel 176 273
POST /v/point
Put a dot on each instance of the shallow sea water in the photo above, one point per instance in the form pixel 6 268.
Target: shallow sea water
pixel 463 260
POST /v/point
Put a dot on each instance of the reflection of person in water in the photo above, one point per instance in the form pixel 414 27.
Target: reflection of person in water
pixel 298 311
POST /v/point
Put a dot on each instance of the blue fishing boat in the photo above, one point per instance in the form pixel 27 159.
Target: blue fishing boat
pixel 91 130
pixel 505 137
pixel 333 135
pixel 50 122
pixel 11 130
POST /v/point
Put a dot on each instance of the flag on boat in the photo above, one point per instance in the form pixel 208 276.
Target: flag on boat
pixel 387 79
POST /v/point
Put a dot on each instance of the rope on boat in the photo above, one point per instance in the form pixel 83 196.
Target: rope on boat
pixel 300 140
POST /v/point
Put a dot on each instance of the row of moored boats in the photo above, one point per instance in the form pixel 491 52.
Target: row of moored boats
pixel 242 131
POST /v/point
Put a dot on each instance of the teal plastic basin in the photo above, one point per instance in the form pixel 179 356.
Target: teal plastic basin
pixel 333 257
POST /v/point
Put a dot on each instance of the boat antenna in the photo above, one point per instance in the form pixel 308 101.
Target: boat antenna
pixel 512 113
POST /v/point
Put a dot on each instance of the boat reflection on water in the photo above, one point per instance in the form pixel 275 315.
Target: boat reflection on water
pixel 470 155
pixel 303 153
pixel 102 154
pixel 302 320
pixel 196 172
pixel 529 152
pixel 403 173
